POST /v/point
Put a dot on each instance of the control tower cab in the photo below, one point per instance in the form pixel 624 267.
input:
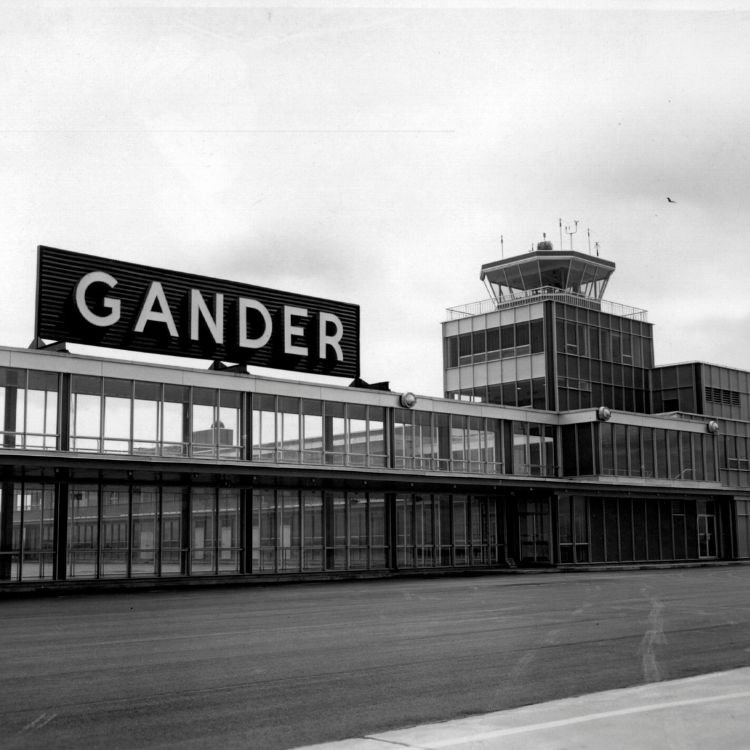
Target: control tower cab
pixel 546 271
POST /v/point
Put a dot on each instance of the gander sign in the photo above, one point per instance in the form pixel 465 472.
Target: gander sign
pixel 85 299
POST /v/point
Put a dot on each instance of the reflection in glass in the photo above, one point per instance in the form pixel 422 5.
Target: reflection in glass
pixel 83 532
pixel 230 545
pixel 171 530
pixel 114 531
pixel 144 531
pixel 202 530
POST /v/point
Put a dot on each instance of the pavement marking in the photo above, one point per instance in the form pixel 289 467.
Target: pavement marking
pixel 653 637
pixel 41 721
pixel 579 720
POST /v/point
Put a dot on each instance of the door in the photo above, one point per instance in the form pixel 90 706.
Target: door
pixel 706 535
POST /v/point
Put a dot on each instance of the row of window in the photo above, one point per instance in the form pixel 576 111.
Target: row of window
pixel 117 531
pixel 513 340
pixel 603 344
pixel 571 393
pixel 616 397
pixel 629 450
pixel 528 392
pixel 110 415
pixel 299 430
pixel 634 529
pixel 621 323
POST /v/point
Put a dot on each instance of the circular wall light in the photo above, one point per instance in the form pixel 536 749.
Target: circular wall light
pixel 603 413
pixel 407 400
pixel 713 426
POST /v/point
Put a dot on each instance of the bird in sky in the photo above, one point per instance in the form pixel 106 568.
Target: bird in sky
pixel 669 200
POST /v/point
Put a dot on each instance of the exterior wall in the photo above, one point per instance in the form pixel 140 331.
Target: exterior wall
pixel 498 357
pixel 601 359
pixel 676 388
pixel 593 358
pixel 639 529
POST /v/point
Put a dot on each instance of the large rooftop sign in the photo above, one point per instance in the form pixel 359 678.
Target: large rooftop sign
pixel 85 299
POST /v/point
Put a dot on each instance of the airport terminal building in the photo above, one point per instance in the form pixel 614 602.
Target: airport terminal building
pixel 558 441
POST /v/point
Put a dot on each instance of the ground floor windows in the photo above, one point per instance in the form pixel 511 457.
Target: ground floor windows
pixel 87 530
pixel 608 529
pixel 138 531
pixel 573 529
pixel 448 530
pixel 27 514
pixel 309 530
pixel 534 532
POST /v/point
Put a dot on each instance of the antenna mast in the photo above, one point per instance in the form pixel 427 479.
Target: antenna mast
pixel 570 232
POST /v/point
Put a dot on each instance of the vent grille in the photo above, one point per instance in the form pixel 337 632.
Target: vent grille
pixel 722 396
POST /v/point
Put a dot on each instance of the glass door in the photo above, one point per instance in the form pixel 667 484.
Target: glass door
pixel 706 536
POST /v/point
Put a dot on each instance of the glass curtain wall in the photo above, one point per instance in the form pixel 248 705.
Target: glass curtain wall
pixel 27 537
pixel 307 530
pixel 534 449
pixel 641 529
pixel 602 359
pixel 448 530
pixel 28 408
pixel 108 415
pixel 573 529
pixel 447 442
pixel 534 531
pixel 629 450
pixel 123 531
pixel 298 430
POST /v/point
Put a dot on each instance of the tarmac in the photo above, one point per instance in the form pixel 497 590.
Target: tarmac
pixel 710 711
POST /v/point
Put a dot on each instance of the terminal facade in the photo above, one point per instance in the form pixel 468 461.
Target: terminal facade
pixel 558 442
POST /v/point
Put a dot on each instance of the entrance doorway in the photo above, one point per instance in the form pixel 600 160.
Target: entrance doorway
pixel 706 536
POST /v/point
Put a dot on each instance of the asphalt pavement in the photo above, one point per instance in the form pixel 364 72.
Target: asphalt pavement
pixel 284 666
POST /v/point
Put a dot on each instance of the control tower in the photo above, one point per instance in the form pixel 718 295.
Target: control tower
pixel 547 338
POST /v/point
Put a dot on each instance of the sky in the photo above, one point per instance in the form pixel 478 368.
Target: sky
pixel 376 156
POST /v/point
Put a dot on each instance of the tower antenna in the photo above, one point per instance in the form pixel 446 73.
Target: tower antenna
pixel 502 247
pixel 588 233
pixel 561 244
pixel 596 245
pixel 570 232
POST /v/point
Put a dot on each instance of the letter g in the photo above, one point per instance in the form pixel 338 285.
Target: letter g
pixel 97 277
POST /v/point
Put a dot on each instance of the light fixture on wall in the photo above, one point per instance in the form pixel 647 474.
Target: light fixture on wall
pixel 603 413
pixel 713 426
pixel 407 400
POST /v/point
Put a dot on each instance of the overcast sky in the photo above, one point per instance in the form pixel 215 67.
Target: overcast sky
pixel 377 156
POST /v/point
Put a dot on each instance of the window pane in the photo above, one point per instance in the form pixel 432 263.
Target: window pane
pixel 145 426
pixel 114 530
pixel 116 424
pixel 289 530
pixel 230 545
pixel 313 530
pixel 171 531
pixel 83 525
pixel 202 534
pixel 204 430
pixel 144 532
pixel 85 422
